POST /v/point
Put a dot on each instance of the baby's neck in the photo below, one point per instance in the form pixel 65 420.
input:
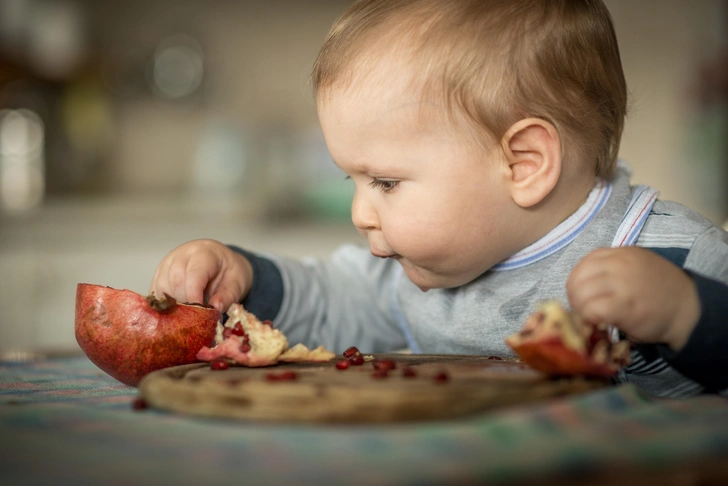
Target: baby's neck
pixel 568 196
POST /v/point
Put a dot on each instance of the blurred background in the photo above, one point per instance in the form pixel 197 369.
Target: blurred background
pixel 128 128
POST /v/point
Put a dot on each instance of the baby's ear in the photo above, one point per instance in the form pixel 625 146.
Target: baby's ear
pixel 533 151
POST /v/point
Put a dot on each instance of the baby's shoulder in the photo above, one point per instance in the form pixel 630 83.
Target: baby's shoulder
pixel 671 224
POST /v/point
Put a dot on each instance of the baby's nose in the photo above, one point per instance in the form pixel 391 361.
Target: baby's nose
pixel 363 214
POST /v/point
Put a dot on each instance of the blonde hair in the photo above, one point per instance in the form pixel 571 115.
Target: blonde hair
pixel 498 61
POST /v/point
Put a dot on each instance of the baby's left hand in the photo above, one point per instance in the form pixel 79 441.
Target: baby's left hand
pixel 646 296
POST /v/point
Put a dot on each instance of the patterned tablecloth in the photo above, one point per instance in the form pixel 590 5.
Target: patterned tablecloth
pixel 63 421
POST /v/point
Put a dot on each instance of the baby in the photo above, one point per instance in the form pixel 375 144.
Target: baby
pixel 482 138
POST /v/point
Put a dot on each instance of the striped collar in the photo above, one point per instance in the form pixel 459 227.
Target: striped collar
pixel 563 234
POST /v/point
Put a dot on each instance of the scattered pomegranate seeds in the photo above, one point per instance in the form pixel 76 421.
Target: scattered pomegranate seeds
pixel 238 329
pixel 441 377
pixel 218 365
pixel 139 404
pixel 380 373
pixel 350 352
pixel 357 360
pixel 384 364
pixel 342 364
pixel 408 372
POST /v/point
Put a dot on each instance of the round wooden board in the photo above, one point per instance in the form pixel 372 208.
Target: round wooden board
pixel 323 394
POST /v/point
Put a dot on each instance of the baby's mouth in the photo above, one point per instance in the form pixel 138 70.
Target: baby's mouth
pixel 387 255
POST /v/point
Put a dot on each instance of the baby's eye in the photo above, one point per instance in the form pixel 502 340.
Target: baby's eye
pixel 383 184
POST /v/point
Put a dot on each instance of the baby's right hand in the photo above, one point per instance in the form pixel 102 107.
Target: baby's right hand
pixel 203 271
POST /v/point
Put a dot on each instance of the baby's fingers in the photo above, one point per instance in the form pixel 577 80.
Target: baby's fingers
pixel 199 274
pixel 225 295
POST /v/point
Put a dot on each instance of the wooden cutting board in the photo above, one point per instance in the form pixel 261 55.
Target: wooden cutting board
pixel 323 394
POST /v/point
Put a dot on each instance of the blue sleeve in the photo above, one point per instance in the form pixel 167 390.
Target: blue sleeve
pixel 705 356
pixel 266 292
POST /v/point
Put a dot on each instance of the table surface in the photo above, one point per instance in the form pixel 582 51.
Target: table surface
pixel 63 421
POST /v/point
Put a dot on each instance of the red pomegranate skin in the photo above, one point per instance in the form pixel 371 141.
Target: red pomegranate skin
pixel 123 335
pixel 552 357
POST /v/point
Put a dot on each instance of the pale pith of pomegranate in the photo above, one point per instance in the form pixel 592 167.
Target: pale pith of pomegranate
pixel 558 342
pixel 247 341
pixel 128 335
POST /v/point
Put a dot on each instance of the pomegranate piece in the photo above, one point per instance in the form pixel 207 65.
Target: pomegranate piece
pixel 560 343
pixel 260 345
pixel 219 365
pixel 342 364
pixel 128 335
pixel 351 352
pixel 384 364
pixel 300 353
pixel 357 360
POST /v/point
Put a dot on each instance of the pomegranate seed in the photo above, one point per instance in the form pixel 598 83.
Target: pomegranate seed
pixel 139 404
pixel 384 364
pixel 342 365
pixel 288 375
pixel 219 365
pixel 408 372
pixel 227 333
pixel 245 347
pixel 357 360
pixel 268 322
pixel 352 351
pixel 282 376
pixel 497 358
pixel 442 377
pixel 238 329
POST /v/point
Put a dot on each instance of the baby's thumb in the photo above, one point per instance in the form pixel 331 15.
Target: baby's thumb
pixel 223 298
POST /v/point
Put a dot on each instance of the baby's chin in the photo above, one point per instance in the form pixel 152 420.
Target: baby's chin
pixel 426 280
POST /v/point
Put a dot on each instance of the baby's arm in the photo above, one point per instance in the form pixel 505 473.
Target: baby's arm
pixel 204 271
pixel 343 301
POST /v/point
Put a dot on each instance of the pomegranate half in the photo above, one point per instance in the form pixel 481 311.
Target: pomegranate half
pixel 128 335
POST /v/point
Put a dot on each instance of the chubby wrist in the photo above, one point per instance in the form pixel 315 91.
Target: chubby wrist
pixel 686 316
pixel 264 290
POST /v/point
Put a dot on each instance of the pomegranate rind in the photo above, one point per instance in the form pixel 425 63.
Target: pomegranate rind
pixel 555 359
pixel 121 334
pixel 557 342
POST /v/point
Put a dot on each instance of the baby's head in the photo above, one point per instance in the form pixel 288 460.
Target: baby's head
pixel 493 61
pixel 470 128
